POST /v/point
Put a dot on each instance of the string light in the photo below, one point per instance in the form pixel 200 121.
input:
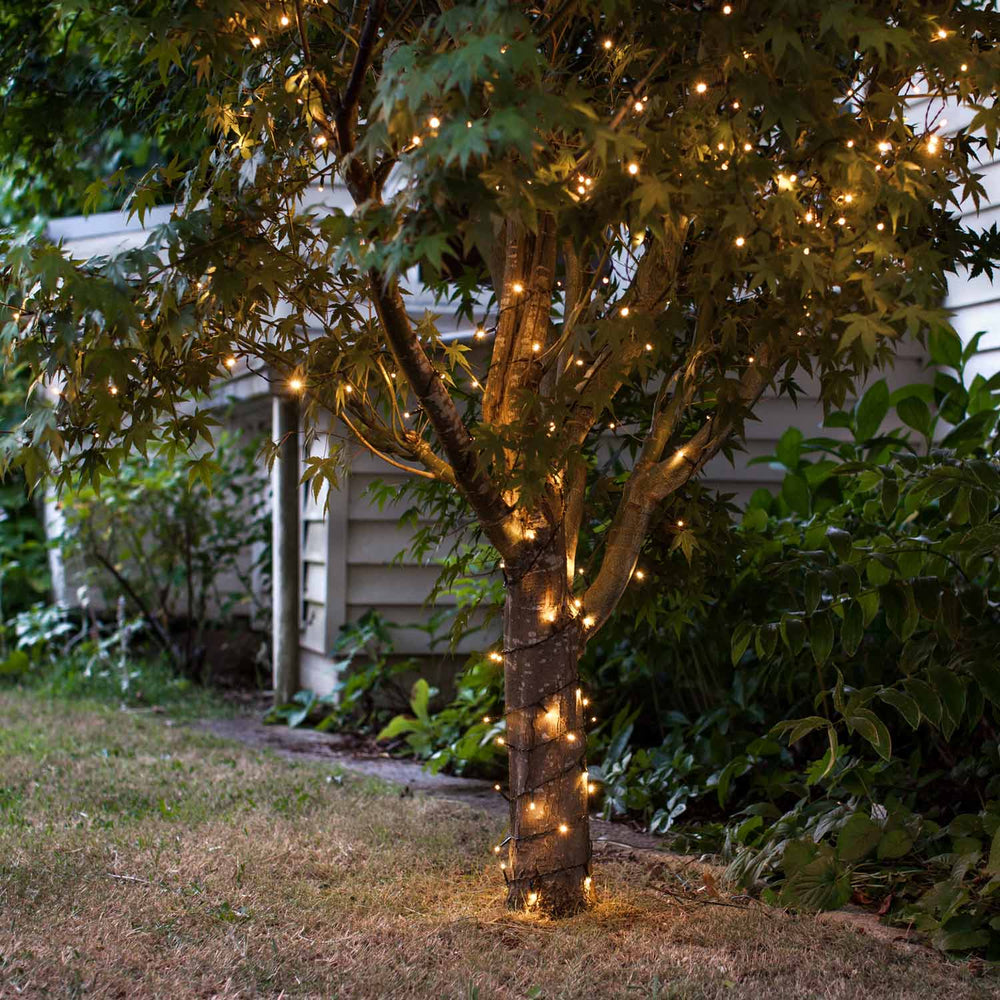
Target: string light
pixel 406 414
pixel 499 741
pixel 884 146
pixel 255 41
pixel 607 43
pixel 532 898
pixel 496 788
pixel 517 288
pixel 295 384
pixel 701 87
pixel 480 333
pixel 496 849
pixel 496 657
pixel 747 147
pixel 680 524
pixel 942 33
pixel 113 390
pixel 588 621
pixel 320 140
pixel 586 882
pixel 415 141
pixel 230 362
pixel 841 221
pixel 624 311
pixel 740 241
pixel 880 226
pixel 530 534
pixel 563 828
pixel 850 144
pixel 571 737
pixel 283 21
pixel 649 347
pixel 932 144
pixel 964 67
pixel 639 575
pixel 727 9
pixel 633 168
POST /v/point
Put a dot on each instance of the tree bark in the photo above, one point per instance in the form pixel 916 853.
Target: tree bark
pixel 547 854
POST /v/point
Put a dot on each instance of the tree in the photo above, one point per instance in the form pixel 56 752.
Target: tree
pixel 654 212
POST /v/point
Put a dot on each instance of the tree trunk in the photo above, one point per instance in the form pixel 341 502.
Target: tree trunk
pixel 548 851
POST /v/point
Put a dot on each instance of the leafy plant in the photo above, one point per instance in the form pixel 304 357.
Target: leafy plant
pixel 171 545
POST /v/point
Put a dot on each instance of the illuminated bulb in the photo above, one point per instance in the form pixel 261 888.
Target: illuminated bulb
pixel 531 806
pixel 295 384
pixel 113 390
pixel 605 280
pixel 496 788
pixel 850 144
pixel 532 898
pixel 577 603
pixel 747 147
pixel 639 575
pixel 480 333
pixel 321 140
pixel 563 828
pixel 496 850
pixel 942 33
pixel 805 250
pixel 549 616
pixel 736 105
pixel 496 657
pixel 486 719
pixel 639 107
pixel 415 141
pixel 649 347
pixel 579 362
pixel 740 241
pixel 581 189
pixel 701 87
pixel 611 427
pixel 585 702
pixel 530 534
pixel 841 221
pixel 750 359
pixel 809 216
pixel 349 389
pixel 406 414
pixel 475 384
pixel 932 144
pixel 591 787
pixel 571 737
pixel 848 198
pixel 880 226
pixel 503 866
pixel 633 168
pixel 536 347
pixel 517 288
pixel 607 43
pixel 255 41
pixel 721 146
pixel 964 67
pixel 500 740
pixel 434 122
pixel 624 311
pixel 727 9
pixel 884 146
pixel 680 524
pixel 283 20
pixel 586 882
pixel 231 361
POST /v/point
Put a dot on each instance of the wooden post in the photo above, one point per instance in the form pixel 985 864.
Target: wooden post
pixel 286 565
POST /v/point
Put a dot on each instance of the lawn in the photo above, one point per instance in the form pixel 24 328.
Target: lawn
pixel 140 859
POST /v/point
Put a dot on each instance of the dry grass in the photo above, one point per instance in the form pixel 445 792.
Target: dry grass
pixel 138 860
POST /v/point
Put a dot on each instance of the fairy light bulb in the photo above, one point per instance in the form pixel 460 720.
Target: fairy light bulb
pixel 884 146
pixel 255 41
pixel 747 147
pixel 320 140
pixel 496 787
pixel 530 534
pixel 563 828
pixel 549 616
pixel 680 523
pixel 500 741
pixel 295 383
pixel 607 43
pixel 624 311
pixel 639 575
pixel 532 806
pixel 496 657
pixel 942 33
pixel 633 168
pixel 230 361
pixel 415 141
pixel 850 144
pixel 880 226
pixel 587 882
pixel 932 144
pixel 480 333
pixel 486 719
pixel 577 603
pixel 809 216
pixel 113 390
pixel 496 849
pixel 532 898
pixel 700 88
pixel 536 347
pixel 406 414
pixel 517 288
pixel 848 198
pixel 841 221
pixel 964 67
pixel 649 347
pixel 284 21
pixel 434 121
pixel 638 107
pixel 727 9
pixel 740 241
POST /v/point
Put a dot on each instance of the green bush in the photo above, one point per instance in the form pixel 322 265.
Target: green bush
pixel 180 542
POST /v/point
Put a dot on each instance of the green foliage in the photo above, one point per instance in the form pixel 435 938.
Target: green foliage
pixel 184 555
